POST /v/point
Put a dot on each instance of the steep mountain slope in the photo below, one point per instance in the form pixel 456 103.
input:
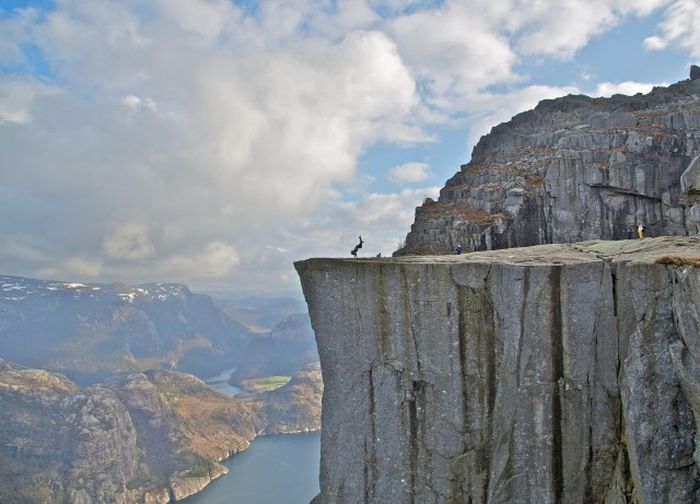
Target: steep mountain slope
pixel 296 407
pixel 140 438
pixel 89 331
pixel 288 348
pixel 574 168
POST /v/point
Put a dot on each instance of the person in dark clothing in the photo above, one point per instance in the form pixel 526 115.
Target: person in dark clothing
pixel 357 247
pixel 458 250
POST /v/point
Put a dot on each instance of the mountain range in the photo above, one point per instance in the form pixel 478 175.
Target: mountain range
pixel 89 331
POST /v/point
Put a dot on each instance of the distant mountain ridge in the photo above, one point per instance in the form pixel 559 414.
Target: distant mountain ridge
pixel 259 314
pixel 91 330
pixel 284 351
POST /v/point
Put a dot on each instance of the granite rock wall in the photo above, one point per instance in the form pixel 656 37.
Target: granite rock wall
pixel 549 374
pixel 574 168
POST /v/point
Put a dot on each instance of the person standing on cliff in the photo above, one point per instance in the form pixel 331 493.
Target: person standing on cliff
pixel 353 252
pixel 640 231
pixel 458 250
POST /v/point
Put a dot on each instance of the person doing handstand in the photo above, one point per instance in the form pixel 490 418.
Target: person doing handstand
pixel 357 247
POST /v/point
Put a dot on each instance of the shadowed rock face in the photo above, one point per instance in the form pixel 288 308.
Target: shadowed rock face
pixel 575 168
pixel 558 373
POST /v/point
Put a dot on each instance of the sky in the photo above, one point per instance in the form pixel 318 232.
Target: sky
pixel 214 142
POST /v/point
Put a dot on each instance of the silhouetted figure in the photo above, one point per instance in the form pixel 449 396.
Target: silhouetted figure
pixel 357 247
pixel 458 250
pixel 630 232
pixel 379 255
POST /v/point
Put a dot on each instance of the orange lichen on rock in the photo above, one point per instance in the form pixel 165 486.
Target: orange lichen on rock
pixel 679 261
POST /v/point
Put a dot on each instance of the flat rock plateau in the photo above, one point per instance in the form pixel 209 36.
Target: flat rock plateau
pixel 560 373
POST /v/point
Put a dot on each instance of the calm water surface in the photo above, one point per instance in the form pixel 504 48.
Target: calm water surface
pixel 274 470
pixel 220 383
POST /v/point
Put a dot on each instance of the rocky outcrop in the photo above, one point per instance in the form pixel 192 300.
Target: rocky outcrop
pixel 142 438
pixel 694 72
pixel 574 168
pixel 549 374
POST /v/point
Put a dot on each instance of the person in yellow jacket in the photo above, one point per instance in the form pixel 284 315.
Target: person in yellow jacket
pixel 640 231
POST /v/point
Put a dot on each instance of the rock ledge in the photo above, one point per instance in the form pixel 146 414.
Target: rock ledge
pixel 560 373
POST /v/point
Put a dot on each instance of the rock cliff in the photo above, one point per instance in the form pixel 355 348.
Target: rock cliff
pixel 574 168
pixel 549 374
pixel 143 438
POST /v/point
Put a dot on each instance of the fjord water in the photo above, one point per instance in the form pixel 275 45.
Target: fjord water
pixel 220 383
pixel 281 469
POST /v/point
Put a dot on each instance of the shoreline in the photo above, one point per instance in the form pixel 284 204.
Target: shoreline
pixel 228 459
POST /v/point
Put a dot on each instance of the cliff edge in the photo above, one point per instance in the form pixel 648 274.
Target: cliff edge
pixel 549 374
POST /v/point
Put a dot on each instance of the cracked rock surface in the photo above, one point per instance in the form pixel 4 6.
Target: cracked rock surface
pixel 549 374
pixel 574 168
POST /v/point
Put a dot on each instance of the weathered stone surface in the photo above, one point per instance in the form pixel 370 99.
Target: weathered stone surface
pixel 575 168
pixel 548 374
pixel 694 72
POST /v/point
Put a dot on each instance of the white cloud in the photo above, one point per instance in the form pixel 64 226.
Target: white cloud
pixel 655 43
pixel 626 88
pixel 410 173
pixel 134 102
pixel 205 18
pixel 17 98
pixel 679 27
pixel 562 28
pixel 214 261
pixel 453 51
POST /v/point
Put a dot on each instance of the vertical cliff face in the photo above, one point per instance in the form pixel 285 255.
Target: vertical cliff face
pixel 561 373
pixel 575 168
